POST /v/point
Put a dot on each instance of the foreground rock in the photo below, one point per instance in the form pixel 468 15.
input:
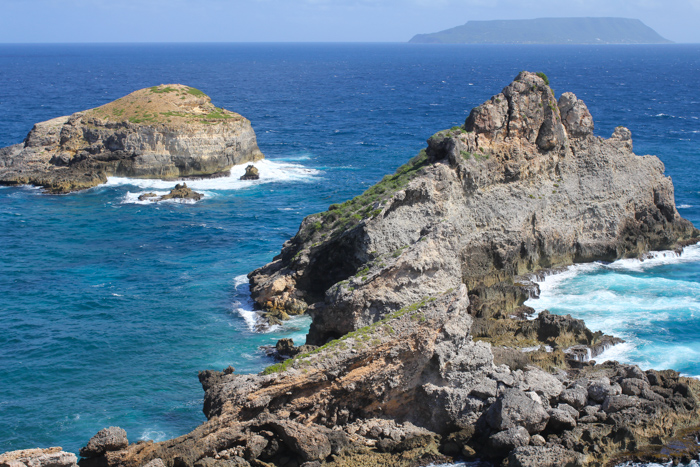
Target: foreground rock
pixel 524 185
pixel 165 132
pixel 51 457
pixel 108 439
pixel 414 389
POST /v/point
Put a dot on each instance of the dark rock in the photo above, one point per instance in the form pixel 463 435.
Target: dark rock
pixel 286 347
pixel 515 408
pixel 506 441
pixel 107 439
pixel 251 173
pixel 600 389
pixel 182 192
pixel 544 456
pixel 560 420
pixel 614 404
pixel 575 396
pixel 147 196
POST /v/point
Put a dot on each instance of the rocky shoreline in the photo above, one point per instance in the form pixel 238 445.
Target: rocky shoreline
pixel 420 350
pixel 166 132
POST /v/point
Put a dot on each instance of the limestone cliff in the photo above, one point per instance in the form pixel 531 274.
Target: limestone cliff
pixel 166 132
pixel 523 185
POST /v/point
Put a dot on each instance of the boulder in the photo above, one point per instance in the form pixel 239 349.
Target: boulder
pixel 107 439
pixel 506 441
pixel 514 408
pixel 544 456
pixel 575 116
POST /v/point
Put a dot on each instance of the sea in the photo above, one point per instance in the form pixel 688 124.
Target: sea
pixel 110 306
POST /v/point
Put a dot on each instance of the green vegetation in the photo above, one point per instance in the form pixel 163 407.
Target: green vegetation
pixel 159 90
pixel 217 113
pixel 361 335
pixel 544 77
pixel 195 92
pixel 341 217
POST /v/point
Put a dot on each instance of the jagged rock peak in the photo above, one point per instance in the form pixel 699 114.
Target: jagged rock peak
pixel 527 111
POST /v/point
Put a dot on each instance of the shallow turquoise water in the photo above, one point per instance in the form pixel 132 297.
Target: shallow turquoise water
pixel 109 307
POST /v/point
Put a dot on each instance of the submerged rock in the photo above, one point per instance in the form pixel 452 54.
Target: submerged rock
pixel 179 192
pixel 166 132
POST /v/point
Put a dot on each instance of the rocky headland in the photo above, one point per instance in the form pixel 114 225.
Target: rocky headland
pixel 419 351
pixel 167 132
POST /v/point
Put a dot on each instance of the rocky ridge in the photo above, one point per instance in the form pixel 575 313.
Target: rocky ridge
pixel 166 132
pixel 523 186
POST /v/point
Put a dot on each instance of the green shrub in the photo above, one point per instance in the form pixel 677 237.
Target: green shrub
pixel 544 77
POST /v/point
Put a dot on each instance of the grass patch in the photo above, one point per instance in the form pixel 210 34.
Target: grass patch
pixel 341 217
pixel 361 335
pixel 195 92
pixel 159 90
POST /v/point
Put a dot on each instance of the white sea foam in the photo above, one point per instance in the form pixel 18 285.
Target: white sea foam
pixel 685 206
pixel 153 434
pixel 270 171
pixel 620 299
pixel 245 305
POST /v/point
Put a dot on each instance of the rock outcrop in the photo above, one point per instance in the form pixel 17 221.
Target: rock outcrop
pixel 524 185
pixel 415 388
pixel 251 173
pixel 179 192
pixel 50 457
pixel 166 132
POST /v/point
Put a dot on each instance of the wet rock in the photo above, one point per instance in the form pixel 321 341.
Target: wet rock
pixel 182 192
pixel 107 439
pixel 147 196
pixel 286 347
pixel 251 173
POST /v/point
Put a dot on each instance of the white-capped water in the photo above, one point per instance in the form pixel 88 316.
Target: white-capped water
pixel 270 171
pixel 653 304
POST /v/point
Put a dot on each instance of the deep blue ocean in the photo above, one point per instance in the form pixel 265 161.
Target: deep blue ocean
pixel 109 307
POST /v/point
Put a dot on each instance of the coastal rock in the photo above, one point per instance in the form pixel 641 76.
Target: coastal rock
pixel 182 192
pixel 518 189
pixel 251 173
pixel 515 409
pixel 166 132
pixel 50 457
pixel 107 439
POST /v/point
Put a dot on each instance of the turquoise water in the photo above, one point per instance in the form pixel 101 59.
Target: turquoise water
pixel 109 307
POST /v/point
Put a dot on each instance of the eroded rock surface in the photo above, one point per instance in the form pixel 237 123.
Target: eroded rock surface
pixel 50 457
pixel 166 132
pixel 524 185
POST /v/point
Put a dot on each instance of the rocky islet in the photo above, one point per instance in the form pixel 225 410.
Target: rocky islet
pixel 416 288
pixel 165 132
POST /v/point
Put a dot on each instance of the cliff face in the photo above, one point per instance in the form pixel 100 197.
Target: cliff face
pixel 524 185
pixel 166 132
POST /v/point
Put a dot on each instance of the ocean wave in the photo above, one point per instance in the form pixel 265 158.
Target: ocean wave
pixel 685 206
pixel 270 171
pixel 245 306
pixel 153 435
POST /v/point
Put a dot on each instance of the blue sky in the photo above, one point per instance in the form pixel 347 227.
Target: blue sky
pixel 306 20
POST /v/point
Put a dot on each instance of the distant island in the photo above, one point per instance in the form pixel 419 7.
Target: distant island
pixel 547 31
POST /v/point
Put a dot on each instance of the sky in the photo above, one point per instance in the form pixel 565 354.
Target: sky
pixel 307 20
